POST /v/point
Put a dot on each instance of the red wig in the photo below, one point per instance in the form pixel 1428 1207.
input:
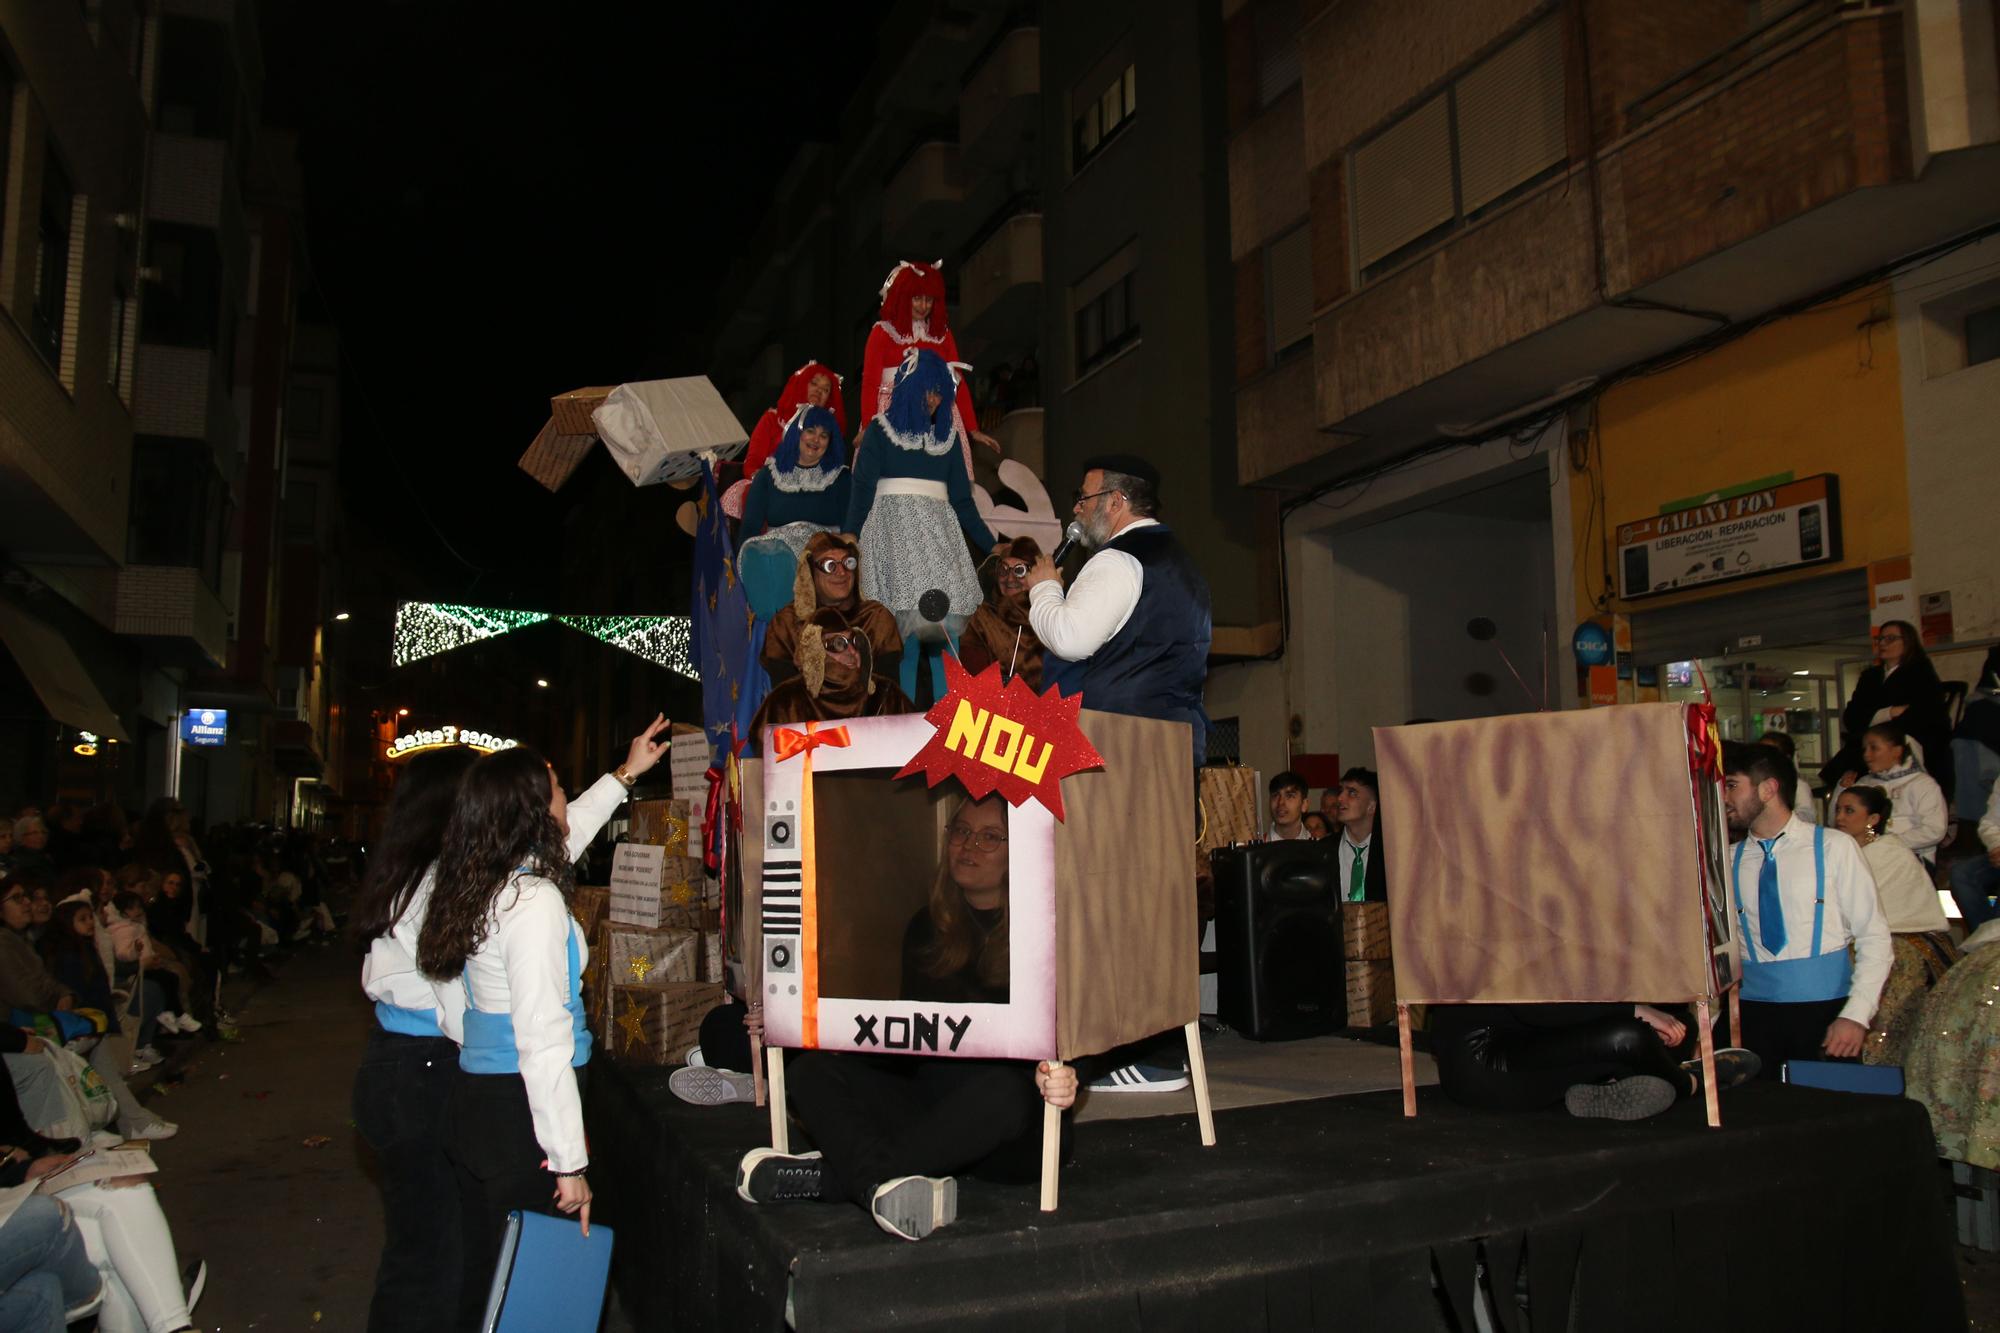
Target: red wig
pixel 909 279
pixel 795 393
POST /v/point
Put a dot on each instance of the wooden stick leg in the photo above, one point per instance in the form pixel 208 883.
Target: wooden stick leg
pixel 1204 1110
pixel 757 1068
pixel 1409 1067
pixel 781 1130
pixel 1051 1149
pixel 1735 1013
pixel 1708 1065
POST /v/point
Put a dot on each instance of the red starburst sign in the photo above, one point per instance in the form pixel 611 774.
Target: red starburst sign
pixel 1004 738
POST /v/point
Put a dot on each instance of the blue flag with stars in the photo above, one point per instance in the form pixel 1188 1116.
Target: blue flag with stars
pixel 721 613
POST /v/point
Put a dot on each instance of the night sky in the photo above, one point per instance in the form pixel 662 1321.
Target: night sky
pixel 509 201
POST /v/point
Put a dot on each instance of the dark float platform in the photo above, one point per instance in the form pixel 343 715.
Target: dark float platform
pixel 1807 1210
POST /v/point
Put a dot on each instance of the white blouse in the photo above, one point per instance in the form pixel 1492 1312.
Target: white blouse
pixel 1909 899
pixel 1918 816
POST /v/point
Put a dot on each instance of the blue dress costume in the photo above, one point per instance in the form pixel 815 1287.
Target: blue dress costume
pixel 789 502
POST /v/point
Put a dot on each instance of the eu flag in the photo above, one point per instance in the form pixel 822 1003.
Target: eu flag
pixel 721 630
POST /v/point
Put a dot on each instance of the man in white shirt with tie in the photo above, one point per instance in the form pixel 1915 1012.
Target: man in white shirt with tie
pixel 1800 892
pixel 1356 802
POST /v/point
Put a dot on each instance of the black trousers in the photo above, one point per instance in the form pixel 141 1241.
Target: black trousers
pixel 490 1139
pixel 877 1117
pixel 400 1094
pixel 1521 1069
pixel 1781 1032
pixel 725 1042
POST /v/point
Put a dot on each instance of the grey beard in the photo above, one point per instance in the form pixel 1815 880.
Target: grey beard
pixel 1095 532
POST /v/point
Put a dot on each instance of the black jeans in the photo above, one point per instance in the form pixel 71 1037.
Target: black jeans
pixel 725 1042
pixel 1524 1068
pixel 1781 1032
pixel 490 1138
pixel 877 1117
pixel 400 1093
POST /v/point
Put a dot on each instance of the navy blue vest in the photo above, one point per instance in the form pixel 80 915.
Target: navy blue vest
pixel 1157 663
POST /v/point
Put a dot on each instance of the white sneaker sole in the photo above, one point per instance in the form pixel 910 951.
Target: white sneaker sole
pixel 912 1207
pixel 699 1085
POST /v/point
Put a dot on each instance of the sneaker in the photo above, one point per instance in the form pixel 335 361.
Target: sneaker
pixel 766 1175
pixel 143 1059
pixel 1141 1078
pixel 1734 1067
pixel 911 1207
pixel 194 1278
pixel 702 1086
pixel 1633 1098
pixel 693 1057
pixel 159 1129
pixel 188 1023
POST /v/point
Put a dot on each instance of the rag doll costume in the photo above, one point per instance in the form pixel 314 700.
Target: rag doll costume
pixel 898 331
pixel 811 385
pixel 789 502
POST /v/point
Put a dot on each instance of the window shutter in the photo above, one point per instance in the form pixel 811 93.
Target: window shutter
pixel 1510 116
pixel 1402 182
pixel 1289 261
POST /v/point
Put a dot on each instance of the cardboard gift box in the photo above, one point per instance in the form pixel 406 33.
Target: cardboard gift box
pixel 1371 993
pixel 590 905
pixel 636 957
pixel 711 956
pixel 1364 929
pixel 1232 801
pixel 662 823
pixel 682 889
pixel 655 1025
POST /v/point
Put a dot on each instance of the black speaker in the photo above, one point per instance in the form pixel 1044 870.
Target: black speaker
pixel 1281 970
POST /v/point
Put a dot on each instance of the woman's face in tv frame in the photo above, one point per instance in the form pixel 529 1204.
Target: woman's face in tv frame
pixel 980 871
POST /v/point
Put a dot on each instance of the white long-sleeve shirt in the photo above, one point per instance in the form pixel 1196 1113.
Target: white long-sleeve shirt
pixel 390 975
pixel 1917 816
pixel 1852 912
pixel 1075 624
pixel 1903 887
pixel 1803 804
pixel 1989 823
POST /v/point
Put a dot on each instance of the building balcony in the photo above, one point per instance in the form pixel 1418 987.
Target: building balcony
pixel 921 203
pixel 1000 288
pixel 171 604
pixel 1274 421
pixel 180 395
pixel 1000 109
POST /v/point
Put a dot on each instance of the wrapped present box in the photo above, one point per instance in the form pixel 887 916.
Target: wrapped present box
pixel 1232 801
pixel 711 956
pixel 1371 993
pixel 1364 929
pixel 590 905
pixel 655 1024
pixel 661 823
pixel 636 957
pixel 682 890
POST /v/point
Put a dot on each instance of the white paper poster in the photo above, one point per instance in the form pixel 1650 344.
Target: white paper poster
pixel 689 765
pixel 637 869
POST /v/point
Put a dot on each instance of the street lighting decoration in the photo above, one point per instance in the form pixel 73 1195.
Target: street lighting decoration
pixel 342 615
pixel 542 683
pixel 424 629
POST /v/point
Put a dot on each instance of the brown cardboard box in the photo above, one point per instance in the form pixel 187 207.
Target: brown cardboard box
pixel 711 956
pixel 590 905
pixel 596 990
pixel 571 411
pixel 655 1025
pixel 682 888
pixel 1231 803
pixel 1365 930
pixel 1371 993
pixel 663 823
pixel 635 957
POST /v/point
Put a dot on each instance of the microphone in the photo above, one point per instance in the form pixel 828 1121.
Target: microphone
pixel 1071 536
pixel 1483 630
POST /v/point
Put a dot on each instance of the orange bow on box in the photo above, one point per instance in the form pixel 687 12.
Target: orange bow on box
pixel 790 742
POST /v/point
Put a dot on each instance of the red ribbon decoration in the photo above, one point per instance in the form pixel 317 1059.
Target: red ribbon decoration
pixel 790 742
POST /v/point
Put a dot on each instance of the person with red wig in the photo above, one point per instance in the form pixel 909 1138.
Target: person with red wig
pixel 914 315
pixel 812 385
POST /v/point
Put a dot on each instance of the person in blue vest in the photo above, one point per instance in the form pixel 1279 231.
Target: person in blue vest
pixel 498 931
pixel 1801 893
pixel 1131 632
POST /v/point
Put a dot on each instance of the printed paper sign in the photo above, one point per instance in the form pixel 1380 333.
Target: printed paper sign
pixel 636 871
pixel 688 762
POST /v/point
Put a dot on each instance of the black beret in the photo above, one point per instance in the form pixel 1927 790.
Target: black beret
pixel 1130 464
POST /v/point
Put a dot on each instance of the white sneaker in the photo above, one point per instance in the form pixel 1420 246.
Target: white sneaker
pixel 188 1023
pixel 159 1129
pixel 701 1086
pixel 912 1207
pixel 693 1058
pixel 195 1278
pixel 143 1059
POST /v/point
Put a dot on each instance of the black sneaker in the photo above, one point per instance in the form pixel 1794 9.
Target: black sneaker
pixel 911 1207
pixel 766 1175
pixel 1634 1098
pixel 1734 1067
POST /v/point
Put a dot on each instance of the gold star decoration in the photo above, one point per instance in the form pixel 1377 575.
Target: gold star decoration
pixel 735 690
pixel 701 505
pixel 749 619
pixel 728 574
pixel 682 894
pixel 712 603
pixel 633 1021
pixel 639 965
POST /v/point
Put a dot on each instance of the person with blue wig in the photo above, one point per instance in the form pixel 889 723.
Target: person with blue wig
pixel 912 504
pixel 805 481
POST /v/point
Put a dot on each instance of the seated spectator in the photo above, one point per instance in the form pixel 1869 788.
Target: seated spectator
pixel 86 959
pixel 838 678
pixel 1600 1061
pixel 827 580
pixel 1918 931
pixel 999 630
pixel 893 1130
pixel 1288 804
pixel 106 837
pixel 1316 826
pixel 46 1271
pixel 1802 893
pixel 41 906
pixel 1919 822
pixel 1804 804
pixel 1975 879
pixel 1975 743
pixel 65 822
pixel 31 860
pixel 1357 804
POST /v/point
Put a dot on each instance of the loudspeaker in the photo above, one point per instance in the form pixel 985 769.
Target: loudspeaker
pixel 1281 970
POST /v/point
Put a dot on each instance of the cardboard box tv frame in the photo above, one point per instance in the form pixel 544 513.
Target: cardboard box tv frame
pixel 1558 858
pixel 1102 917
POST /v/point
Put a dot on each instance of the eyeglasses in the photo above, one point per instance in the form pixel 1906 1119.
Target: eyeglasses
pixel 1017 568
pixel 1079 497
pixel 838 643
pixel 985 840
pixel 833 562
pixel 1889 638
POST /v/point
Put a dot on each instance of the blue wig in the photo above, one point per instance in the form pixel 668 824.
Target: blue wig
pixel 786 456
pixel 923 371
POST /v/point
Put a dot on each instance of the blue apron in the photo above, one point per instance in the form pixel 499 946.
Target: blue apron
pixel 1823 976
pixel 489 1038
pixel 407 1022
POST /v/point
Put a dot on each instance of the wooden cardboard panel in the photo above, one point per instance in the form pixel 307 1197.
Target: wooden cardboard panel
pixel 1548 857
pixel 1126 937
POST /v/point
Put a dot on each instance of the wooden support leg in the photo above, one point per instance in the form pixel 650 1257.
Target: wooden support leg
pixel 1051 1149
pixel 1204 1110
pixel 781 1130
pixel 1735 1013
pixel 1701 1017
pixel 1409 1067
pixel 757 1068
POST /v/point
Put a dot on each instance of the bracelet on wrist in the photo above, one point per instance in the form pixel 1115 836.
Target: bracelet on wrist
pixel 569 1175
pixel 625 779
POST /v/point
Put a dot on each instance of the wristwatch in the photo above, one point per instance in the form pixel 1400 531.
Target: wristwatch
pixel 624 778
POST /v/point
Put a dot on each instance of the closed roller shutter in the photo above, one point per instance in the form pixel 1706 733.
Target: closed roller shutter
pixel 1402 182
pixel 1814 611
pixel 1510 116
